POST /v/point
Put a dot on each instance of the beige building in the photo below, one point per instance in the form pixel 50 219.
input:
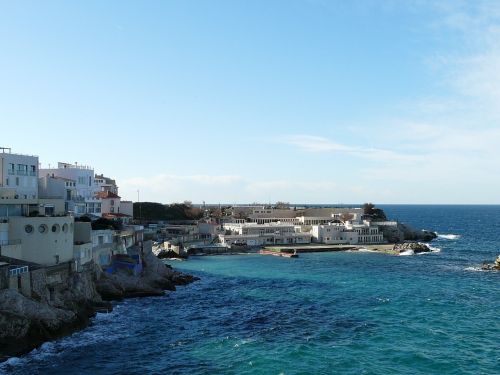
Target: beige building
pixel 110 202
pixel 43 240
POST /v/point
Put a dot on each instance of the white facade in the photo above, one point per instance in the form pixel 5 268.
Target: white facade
pixel 102 246
pixel 81 188
pixel 348 233
pixel 18 175
pixel 82 175
pixel 252 234
pixel 102 183
pixel 251 228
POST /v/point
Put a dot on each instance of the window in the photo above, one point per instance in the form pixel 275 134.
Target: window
pixel 6 182
pixel 32 170
pixel 42 228
pixel 56 228
pixel 28 229
pixel 22 169
pixel 17 181
pixel 112 202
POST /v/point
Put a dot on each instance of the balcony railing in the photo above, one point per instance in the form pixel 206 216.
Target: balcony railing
pixel 11 172
pixel 22 173
pixel 32 173
pixel 18 271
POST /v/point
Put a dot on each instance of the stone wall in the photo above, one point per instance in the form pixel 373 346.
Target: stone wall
pixel 39 285
pixel 4 277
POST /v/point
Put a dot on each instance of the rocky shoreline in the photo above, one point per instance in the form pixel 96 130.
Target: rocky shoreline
pixel 492 266
pixel 26 323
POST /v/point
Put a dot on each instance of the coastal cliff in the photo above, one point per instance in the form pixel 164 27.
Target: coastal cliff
pixel 26 323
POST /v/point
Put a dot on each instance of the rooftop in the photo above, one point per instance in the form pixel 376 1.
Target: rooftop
pixel 107 195
pixel 8 150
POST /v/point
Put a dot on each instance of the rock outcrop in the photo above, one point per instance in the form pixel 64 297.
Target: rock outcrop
pixel 26 323
pixel 403 232
pixel 413 247
pixel 492 266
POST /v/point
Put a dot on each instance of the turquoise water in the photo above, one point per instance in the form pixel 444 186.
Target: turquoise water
pixel 347 313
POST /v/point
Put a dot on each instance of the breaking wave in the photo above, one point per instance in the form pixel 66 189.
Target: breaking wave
pixel 449 236
pixel 474 269
pixel 411 252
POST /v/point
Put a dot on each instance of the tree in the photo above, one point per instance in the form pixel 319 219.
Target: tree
pixel 368 208
pixel 375 213
pixel 282 205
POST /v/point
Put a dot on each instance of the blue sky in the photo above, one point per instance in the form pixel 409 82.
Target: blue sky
pixel 241 101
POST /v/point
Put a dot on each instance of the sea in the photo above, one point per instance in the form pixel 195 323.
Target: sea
pixel 325 313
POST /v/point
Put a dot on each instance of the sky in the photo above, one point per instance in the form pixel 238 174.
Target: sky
pixel 308 101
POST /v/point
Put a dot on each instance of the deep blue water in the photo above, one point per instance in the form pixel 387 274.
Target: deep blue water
pixel 346 313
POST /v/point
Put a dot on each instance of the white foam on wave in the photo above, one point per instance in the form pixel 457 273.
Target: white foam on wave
pixel 407 253
pixel 411 252
pixel 91 336
pixel 433 249
pixel 365 250
pixel 450 237
pixel 474 269
pixel 11 362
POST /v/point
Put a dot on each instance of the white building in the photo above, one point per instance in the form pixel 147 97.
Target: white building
pixel 81 187
pixel 348 233
pixel 102 246
pixel 105 184
pixel 252 234
pixel 18 176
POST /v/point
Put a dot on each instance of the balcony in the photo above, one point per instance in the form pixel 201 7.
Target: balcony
pixel 11 172
pixel 32 173
pixel 22 173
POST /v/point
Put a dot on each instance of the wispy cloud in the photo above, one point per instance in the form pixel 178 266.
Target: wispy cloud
pixel 312 143
pixel 315 143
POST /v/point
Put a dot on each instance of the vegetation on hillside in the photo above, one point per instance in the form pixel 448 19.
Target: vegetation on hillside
pixel 374 213
pixel 152 211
